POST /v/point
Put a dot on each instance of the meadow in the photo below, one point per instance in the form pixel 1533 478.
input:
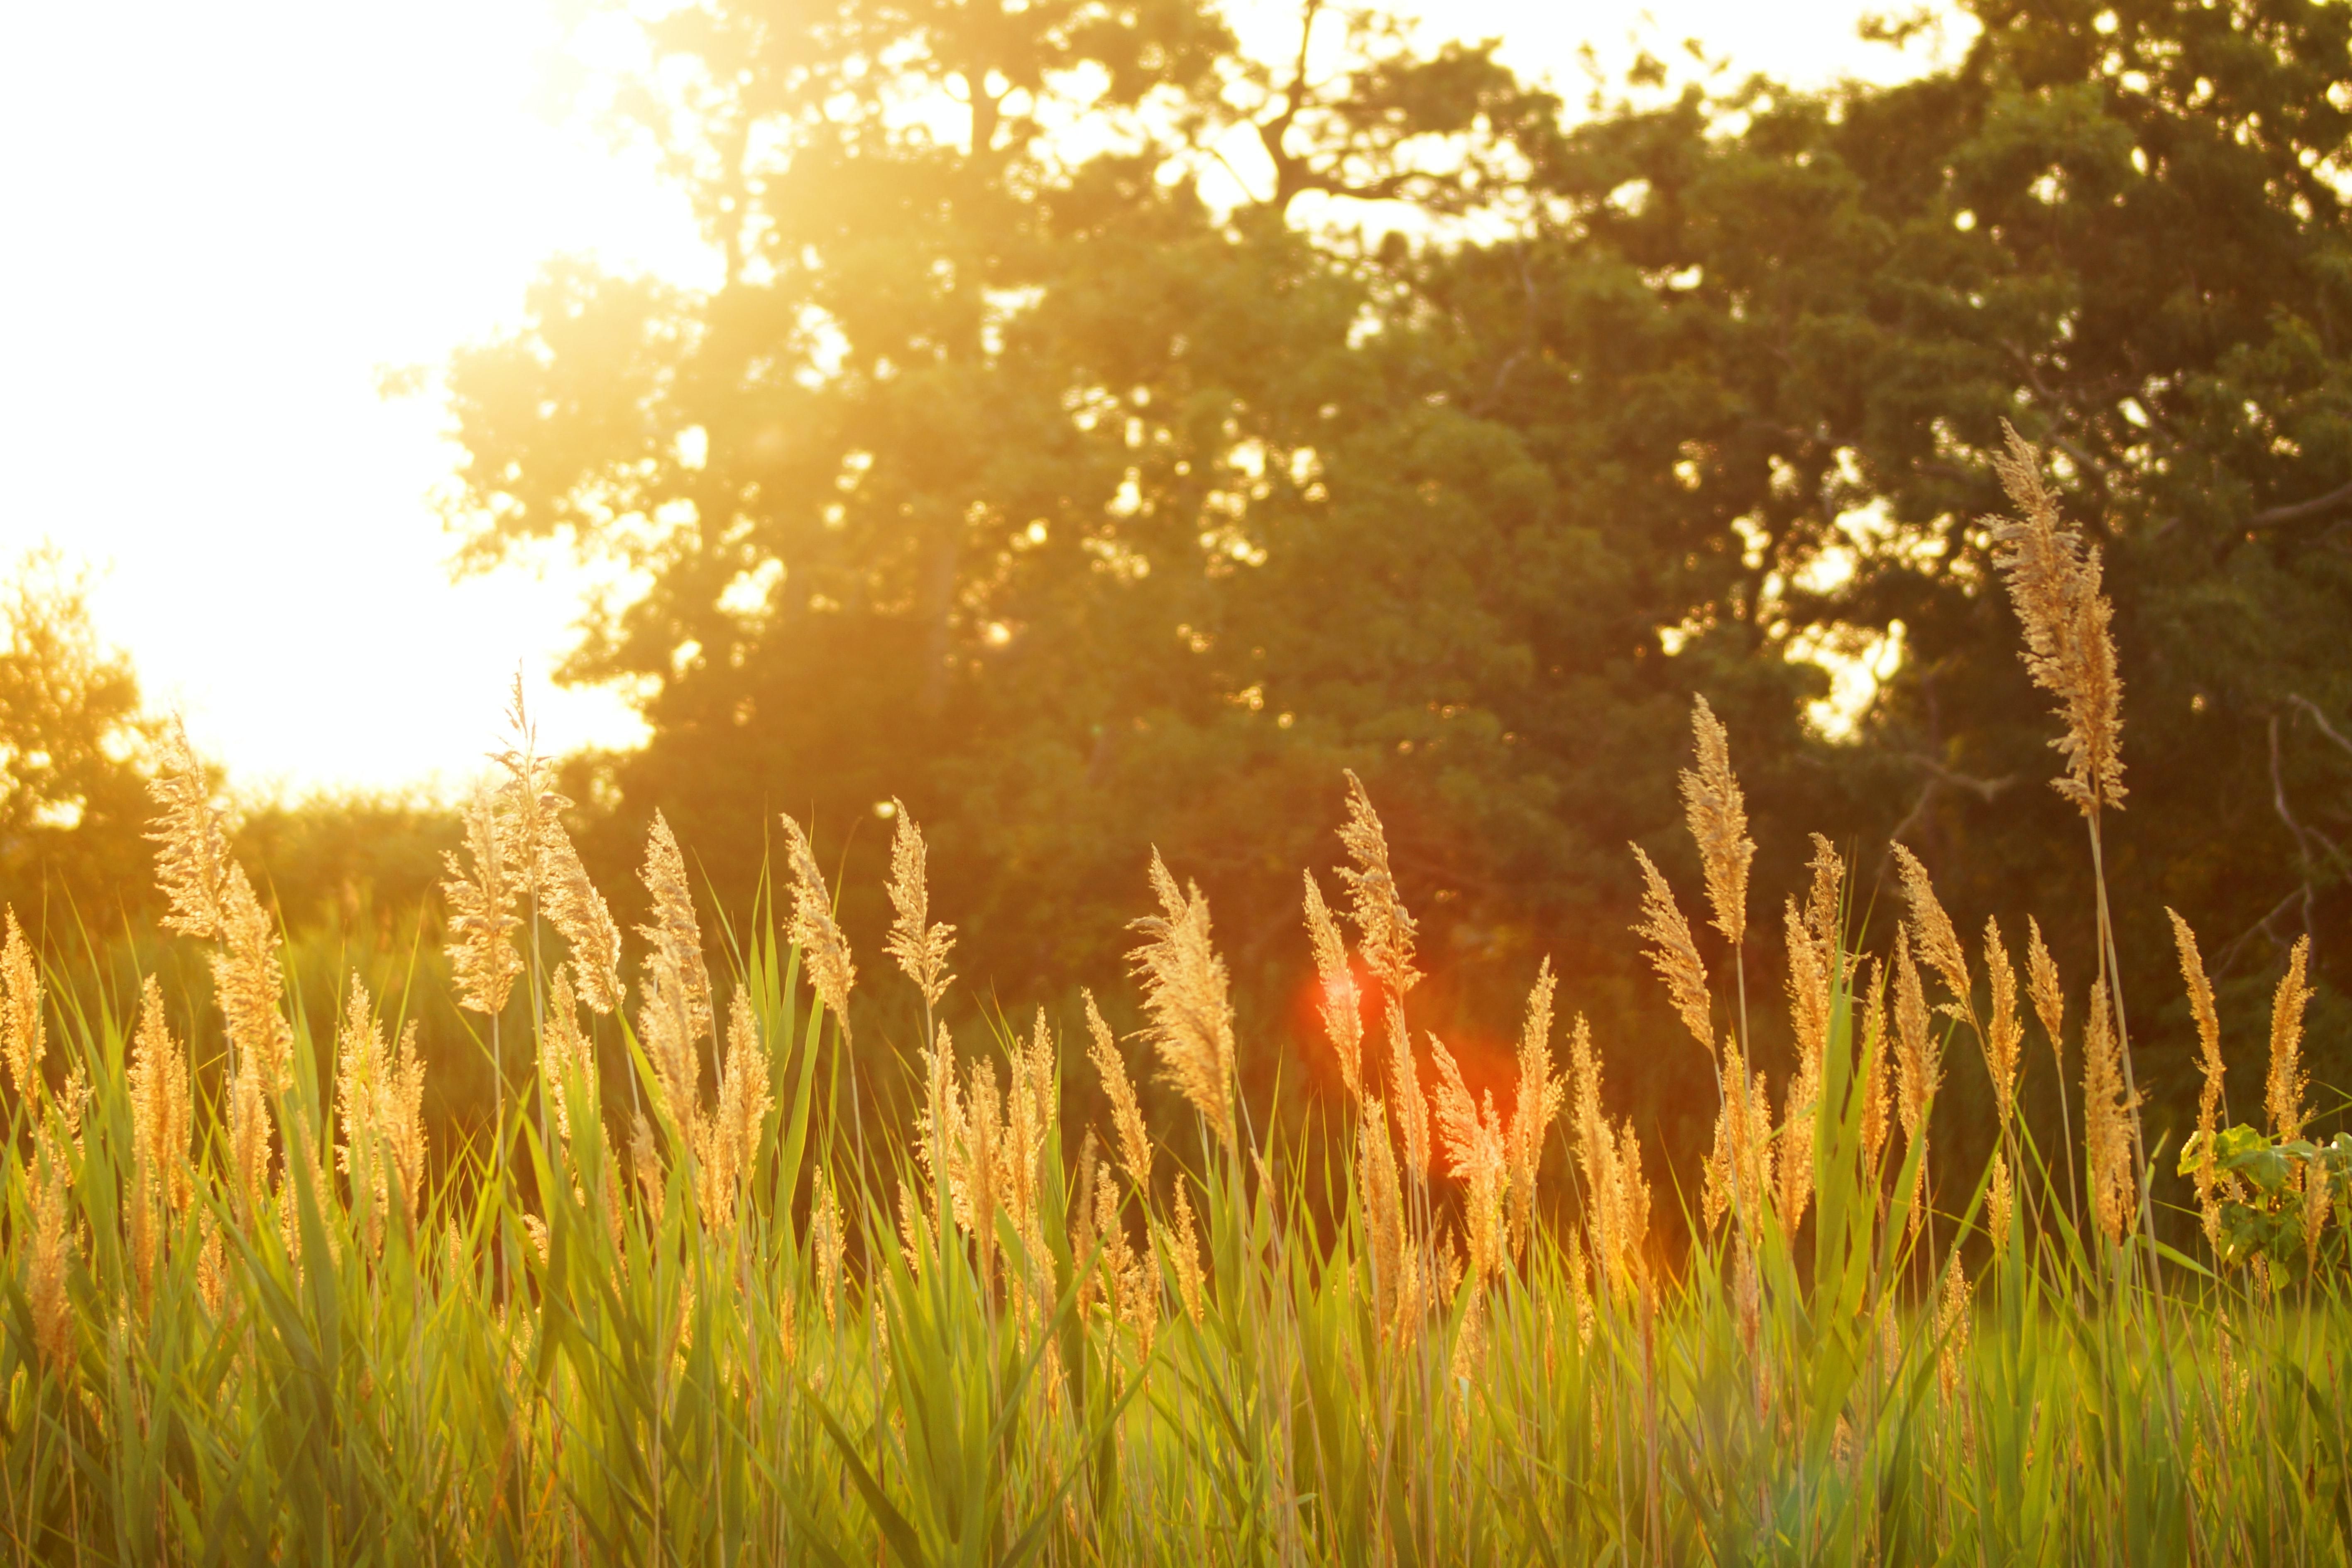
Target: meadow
pixel 698 1299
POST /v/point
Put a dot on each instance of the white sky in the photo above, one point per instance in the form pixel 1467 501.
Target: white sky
pixel 221 221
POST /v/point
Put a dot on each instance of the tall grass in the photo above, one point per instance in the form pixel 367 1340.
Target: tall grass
pixel 693 1301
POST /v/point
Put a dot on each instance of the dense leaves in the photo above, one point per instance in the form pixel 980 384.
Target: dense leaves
pixel 1008 474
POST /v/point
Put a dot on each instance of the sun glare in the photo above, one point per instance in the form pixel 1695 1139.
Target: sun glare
pixel 229 222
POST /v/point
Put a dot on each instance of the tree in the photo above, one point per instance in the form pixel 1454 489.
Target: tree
pixel 1006 475
pixel 72 739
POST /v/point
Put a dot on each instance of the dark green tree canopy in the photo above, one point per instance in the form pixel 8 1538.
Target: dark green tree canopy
pixel 1006 473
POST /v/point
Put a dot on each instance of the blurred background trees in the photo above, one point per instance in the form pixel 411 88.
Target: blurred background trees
pixel 1100 438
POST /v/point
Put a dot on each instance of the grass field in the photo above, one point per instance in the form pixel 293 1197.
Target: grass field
pixel 694 1302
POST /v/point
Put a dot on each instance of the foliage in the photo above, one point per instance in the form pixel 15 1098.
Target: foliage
pixel 72 739
pixel 1007 472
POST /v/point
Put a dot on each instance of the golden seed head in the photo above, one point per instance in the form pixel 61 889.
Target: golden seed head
pixel 1939 943
pixel 2000 1200
pixel 53 1317
pixel 192 848
pixel 939 1122
pixel 1338 998
pixel 2070 650
pixel 920 947
pixel 2282 1090
pixel 20 1000
pixel 574 907
pixel 247 982
pixel 1184 997
pixel 1918 1070
pixel 826 1240
pixel 1809 990
pixel 1718 814
pixel 2108 1118
pixel 1876 1108
pixel 2209 1066
pixel 1125 1112
pixel 1408 1104
pixel 2317 1201
pixel 1184 1247
pixel 2004 1031
pixel 568 1063
pixel 1541 1093
pixel 1384 930
pixel 674 965
pixel 1472 1137
pixel 162 1110
pixel 1672 954
pixel 1952 1325
pixel 2049 998
pixel 1382 1199
pixel 814 932
pixel 483 960
pixel 1823 909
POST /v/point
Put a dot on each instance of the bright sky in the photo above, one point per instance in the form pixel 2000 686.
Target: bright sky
pixel 224 220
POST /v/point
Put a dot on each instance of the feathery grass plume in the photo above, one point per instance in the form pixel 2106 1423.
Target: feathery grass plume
pixel 1541 1093
pixel 826 1243
pixel 1939 943
pixel 52 1245
pixel 1191 1023
pixel 728 1144
pixel 1132 1287
pixel 973 1174
pixel 675 935
pixel 1750 1150
pixel 1029 1109
pixel 1809 993
pixel 2049 998
pixel 813 931
pixel 2107 1115
pixel 1917 1069
pixel 1718 814
pixel 920 947
pixel 191 848
pixel 2317 1200
pixel 939 1122
pixel 1384 929
pixel 2000 1197
pixel 1475 1156
pixel 483 960
pixel 2004 1032
pixel 1809 1011
pixel 1080 1215
pixel 20 1000
pixel 576 910
pixel 2206 1172
pixel 362 1066
pixel 1952 1323
pixel 1876 1105
pixel 568 1063
pixel 1383 1205
pixel 1338 997
pixel 1824 905
pixel 212 898
pixel 1125 1112
pixel 1409 1104
pixel 162 1117
pixel 1672 954
pixel 1801 1102
pixel 1629 1202
pixel 1185 1250
pixel 2282 1090
pixel 2070 650
pixel 248 1131
pixel 1617 1198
